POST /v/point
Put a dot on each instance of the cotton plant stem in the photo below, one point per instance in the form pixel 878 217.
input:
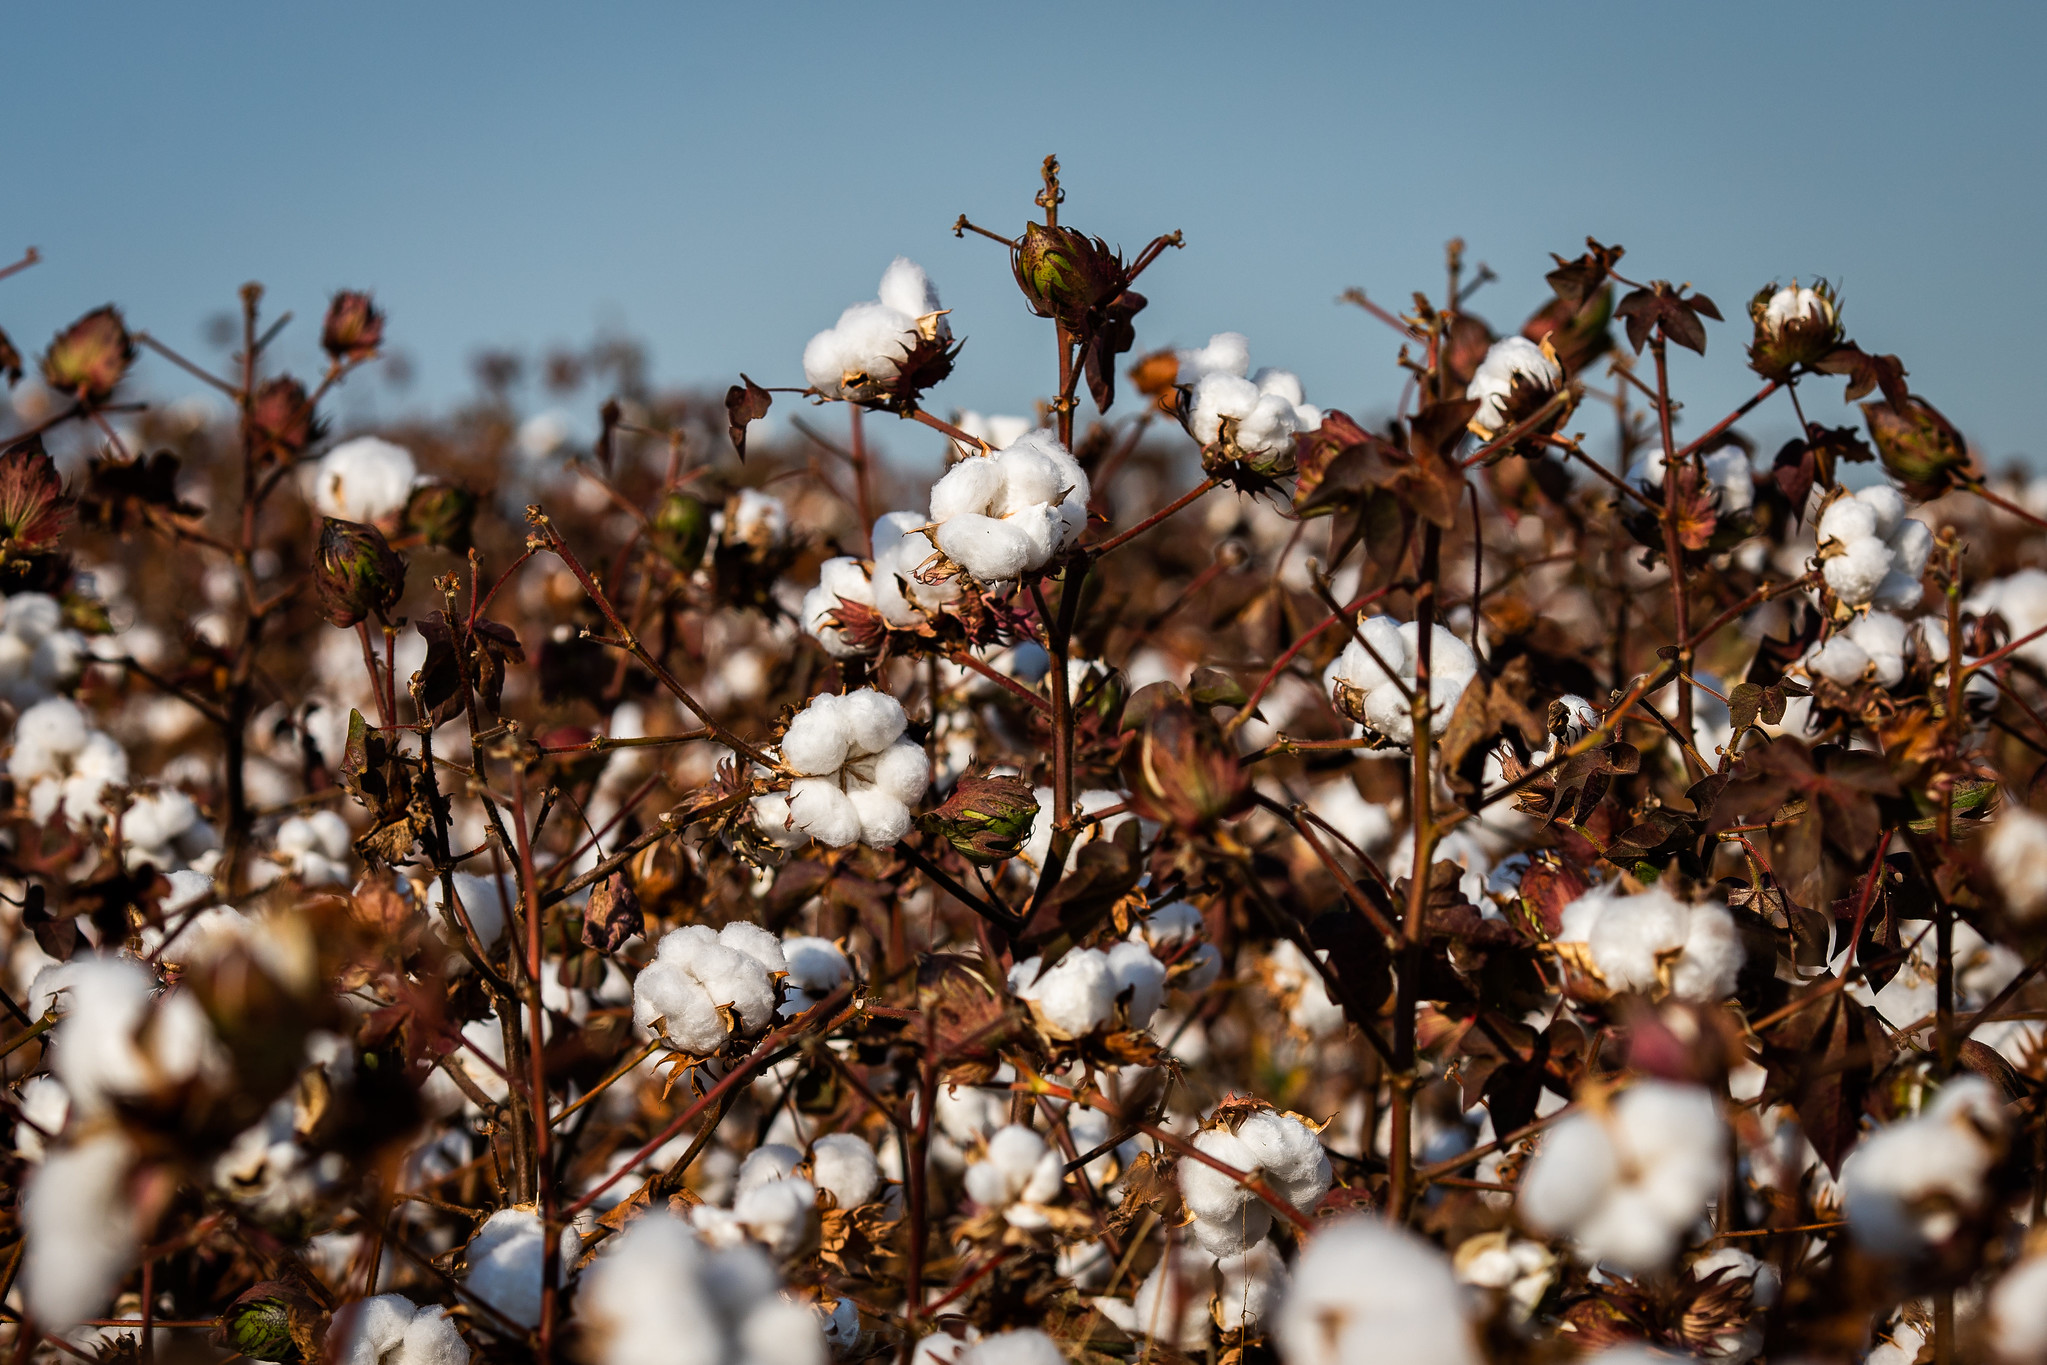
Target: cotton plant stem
pixel 536 1011
pixel 1184 501
pixel 1673 547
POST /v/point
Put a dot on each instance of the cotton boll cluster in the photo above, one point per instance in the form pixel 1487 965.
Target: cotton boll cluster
pixel 705 987
pixel 2015 852
pixel 1279 1148
pixel 1871 553
pixel 507 1264
pixel 39 655
pixel 389 1329
pixel 1516 377
pixel 163 828
pixel 891 586
pixel 861 357
pixel 1301 991
pixel 1006 513
pixel 1729 478
pixel 1252 417
pixel 1079 993
pixel 1908 1187
pixel 1365 1292
pixel 1016 1174
pixel 657 1295
pixel 1652 942
pixel 1876 646
pixel 772 1206
pixel 856 773
pixel 1373 680
pixel 366 479
pixel 63 763
pixel 1626 1182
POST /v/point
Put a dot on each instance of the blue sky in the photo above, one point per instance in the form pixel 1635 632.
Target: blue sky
pixel 721 181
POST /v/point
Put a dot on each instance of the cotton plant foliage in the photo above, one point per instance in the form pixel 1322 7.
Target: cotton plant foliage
pixel 1153 869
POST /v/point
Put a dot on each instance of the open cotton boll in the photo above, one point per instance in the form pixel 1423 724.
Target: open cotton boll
pixel 1309 1005
pixel 781 1214
pixel 1364 1292
pixel 1625 1184
pixel 45 1108
pixel 64 763
pixel 1507 360
pixel 1038 846
pixel 2018 1313
pixel 1907 1187
pixel 695 971
pixel 389 1330
pixel 2015 851
pixel 843 579
pixel 901 547
pixel 769 1161
pixel 117 1042
pixel 1652 939
pixel 362 480
pixel 859 356
pixel 38 655
pixel 1870 552
pixel 162 827
pixel 1017 1168
pixel 507 1264
pixel 1729 476
pixel 482 899
pixel 1172 1305
pixel 82 1228
pixel 817 967
pixel 844 1164
pixel 657 1295
pixel 2021 600
pixel 860 774
pixel 1024 1346
pixel 1278 1147
pixel 1252 417
pixel 756 518
pixel 1001 514
pixel 1225 353
pixel 1248 1288
pixel 1071 999
pixel 1795 303
pixel 316 848
pixel 1368 693
pixel 1133 968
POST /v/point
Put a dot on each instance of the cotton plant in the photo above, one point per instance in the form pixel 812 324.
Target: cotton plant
pixel 1373 680
pixel 1009 512
pixel 1241 414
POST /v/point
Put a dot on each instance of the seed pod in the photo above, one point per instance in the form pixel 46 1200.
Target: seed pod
pixel 33 510
pixel 357 572
pixel 987 819
pixel 1064 273
pixel 1794 326
pixel 441 515
pixel 1919 447
pixel 681 528
pixel 354 328
pixel 1182 771
pixel 281 419
pixel 88 359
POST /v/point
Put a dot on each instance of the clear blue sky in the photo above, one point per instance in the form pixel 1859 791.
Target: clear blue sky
pixel 722 180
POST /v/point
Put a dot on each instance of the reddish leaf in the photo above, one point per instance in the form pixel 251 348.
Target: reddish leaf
pixel 745 402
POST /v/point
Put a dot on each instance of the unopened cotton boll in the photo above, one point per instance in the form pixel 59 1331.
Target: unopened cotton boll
pixel 82 1228
pixel 844 1164
pixel 390 1330
pixel 1364 1292
pixel 1907 1187
pixel 1001 514
pixel 1625 1184
pixel 362 480
pixel 507 1264
pixel 695 972
pixel 2015 851
pixel 1507 360
pixel 1017 1170
pixel 1650 940
pixel 1365 690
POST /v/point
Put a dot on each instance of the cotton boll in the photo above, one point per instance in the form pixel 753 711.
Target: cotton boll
pixel 482 899
pixel 1626 1183
pixel 1907 1187
pixel 1857 572
pixel 818 739
pixel 1848 519
pixel 781 1214
pixel 844 1164
pixel 901 548
pixel 1882 637
pixel 769 1161
pixel 873 720
pixel 839 580
pixel 820 809
pixel 907 289
pixel 1249 1288
pixel 1172 1304
pixel 1279 1147
pixel 316 848
pixel 741 936
pixel 2016 854
pixel 45 1108
pixel 1073 998
pixel 1794 303
pixel 1362 686
pixel 114 1043
pixel 1024 1346
pixel 507 1262
pixel 1000 514
pixel 1364 1292
pixel 1018 1167
pixel 656 1295
pixel 989 550
pixel 389 1330
pixel 1493 384
pixel 82 1227
pixel 1645 941
pixel 1225 353
pixel 1133 968
pixel 692 974
pixel 362 480
pixel 1290 1156
pixel 2018 1313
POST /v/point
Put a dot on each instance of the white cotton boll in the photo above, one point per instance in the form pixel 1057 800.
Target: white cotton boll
pixel 363 479
pixel 816 965
pixel 2016 854
pixel 1493 383
pixel 658 1296
pixel 1882 637
pixel 1857 572
pixel 389 1330
pixel 845 1164
pixel 1290 1156
pixel 1172 1304
pixel 901 548
pixel 1626 1184
pixel 989 550
pixel 1794 303
pixel 769 1161
pixel 1282 384
pixel 907 289
pixel 45 1108
pixel 1387 711
pixel 1018 1167
pixel 507 1263
pixel 1225 353
pixel 778 1332
pixel 97 1052
pixel 482 899
pixel 1729 473
pixel 1024 1346
pixel 1848 519
pixel 742 936
pixel 1218 1199
pixel 902 771
pixel 1215 399
pixel 883 819
pixel 818 739
pixel 1886 503
pixel 839 580
pixel 1906 1186
pixel 1911 543
pixel 1638 942
pixel 780 1214
pixel 771 813
pixel 874 720
pixel 316 848
pixel 1710 963
pixel 994 428
pixel 2018 1313
pixel 1003 513
pixel 1268 428
pixel 758 518
pixel 1071 999
pixel 82 1228
pixel 1133 968
pixel 1364 1292
pixel 1169 925
pixel 820 809
pixel 972 485
pixel 44 736
pixel 1250 1288
pixel 1839 660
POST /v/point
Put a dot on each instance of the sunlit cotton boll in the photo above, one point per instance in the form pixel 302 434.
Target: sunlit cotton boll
pixel 1729 477
pixel 1872 646
pixel 1626 1184
pixel 1078 993
pixel 1871 553
pixel 843 579
pixel 695 972
pixel 862 354
pixel 1794 303
pixel 2018 1313
pixel 118 1041
pixel 1364 1293
pixel 1508 359
pixel 362 480
pixel 390 1329
pixel 844 1164
pixel 2015 851
pixel 316 848
pixel 857 772
pixel 1370 694
pixel 2021 600
pixel 901 548
pixel 1906 1187
pixel 817 967
pixel 1017 1171
pixel 657 1295
pixel 1279 1147
pixel 999 515
pixel 507 1264
pixel 82 1228
pixel 1645 941
pixel 1259 415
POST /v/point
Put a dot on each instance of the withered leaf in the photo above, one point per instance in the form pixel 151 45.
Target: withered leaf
pixel 745 402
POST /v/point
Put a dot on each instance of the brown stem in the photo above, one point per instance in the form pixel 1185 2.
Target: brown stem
pixel 1186 499
pixel 1401 1074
